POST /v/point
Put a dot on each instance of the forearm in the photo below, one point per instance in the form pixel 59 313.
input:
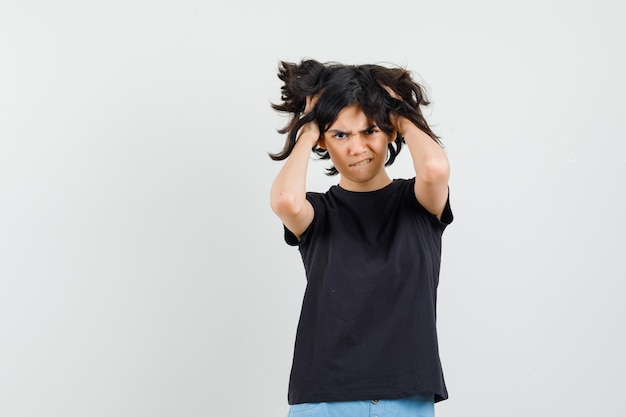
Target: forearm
pixel 429 159
pixel 432 169
pixel 288 192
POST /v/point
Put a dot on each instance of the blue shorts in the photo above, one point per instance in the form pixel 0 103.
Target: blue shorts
pixel 415 406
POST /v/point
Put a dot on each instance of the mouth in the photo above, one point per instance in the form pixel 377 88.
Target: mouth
pixel 361 163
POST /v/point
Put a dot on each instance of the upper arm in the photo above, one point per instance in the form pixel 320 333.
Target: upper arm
pixel 431 187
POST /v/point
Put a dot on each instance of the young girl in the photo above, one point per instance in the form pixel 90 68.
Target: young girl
pixel 366 342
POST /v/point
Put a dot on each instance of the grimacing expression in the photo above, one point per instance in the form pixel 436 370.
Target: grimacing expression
pixel 358 149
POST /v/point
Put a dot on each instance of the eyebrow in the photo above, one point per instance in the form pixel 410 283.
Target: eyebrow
pixel 370 127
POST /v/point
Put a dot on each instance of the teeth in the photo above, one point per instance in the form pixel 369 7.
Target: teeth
pixel 367 161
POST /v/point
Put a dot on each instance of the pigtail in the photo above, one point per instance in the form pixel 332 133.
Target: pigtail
pixel 299 82
pixel 412 97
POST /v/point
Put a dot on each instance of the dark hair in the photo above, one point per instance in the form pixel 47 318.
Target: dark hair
pixel 339 86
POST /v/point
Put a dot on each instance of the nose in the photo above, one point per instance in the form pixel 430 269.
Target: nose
pixel 357 144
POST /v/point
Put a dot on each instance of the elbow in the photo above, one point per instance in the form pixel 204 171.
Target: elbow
pixel 285 204
pixel 435 171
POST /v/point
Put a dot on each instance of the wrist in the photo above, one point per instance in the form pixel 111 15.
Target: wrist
pixel 309 133
pixel 403 124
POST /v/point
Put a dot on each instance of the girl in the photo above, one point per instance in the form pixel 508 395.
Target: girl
pixel 366 342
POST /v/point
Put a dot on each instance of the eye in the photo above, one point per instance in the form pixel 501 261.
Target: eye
pixel 370 131
pixel 340 135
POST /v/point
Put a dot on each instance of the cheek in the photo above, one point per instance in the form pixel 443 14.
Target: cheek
pixel 384 143
pixel 332 153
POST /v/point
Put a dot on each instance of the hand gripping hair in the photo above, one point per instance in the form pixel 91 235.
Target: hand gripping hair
pixel 380 92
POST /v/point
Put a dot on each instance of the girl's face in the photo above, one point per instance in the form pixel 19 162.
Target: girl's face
pixel 358 149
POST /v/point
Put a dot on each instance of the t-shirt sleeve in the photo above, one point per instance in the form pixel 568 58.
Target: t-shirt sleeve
pixel 447 217
pixel 290 238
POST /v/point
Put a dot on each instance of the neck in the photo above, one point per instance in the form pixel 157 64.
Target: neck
pixel 381 181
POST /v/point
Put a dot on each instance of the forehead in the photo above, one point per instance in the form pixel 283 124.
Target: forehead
pixel 350 118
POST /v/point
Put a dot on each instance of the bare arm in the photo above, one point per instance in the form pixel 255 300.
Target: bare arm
pixel 430 162
pixel 288 192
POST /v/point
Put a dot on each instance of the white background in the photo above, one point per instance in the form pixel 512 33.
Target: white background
pixel 142 272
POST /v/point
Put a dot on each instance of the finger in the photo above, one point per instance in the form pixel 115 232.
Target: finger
pixel 308 106
pixel 391 92
pixel 311 101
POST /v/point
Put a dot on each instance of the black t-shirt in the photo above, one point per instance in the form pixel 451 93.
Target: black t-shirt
pixel 367 327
